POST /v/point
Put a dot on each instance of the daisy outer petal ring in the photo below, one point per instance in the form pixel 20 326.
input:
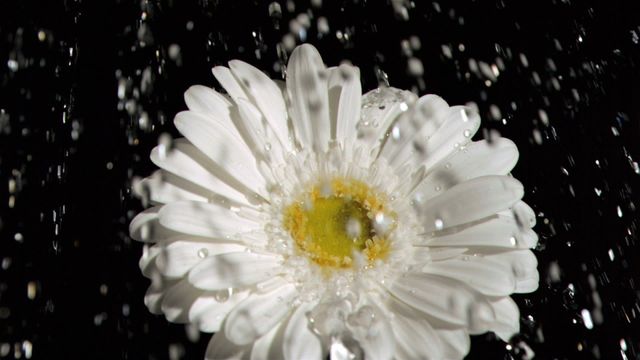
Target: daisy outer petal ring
pixel 304 219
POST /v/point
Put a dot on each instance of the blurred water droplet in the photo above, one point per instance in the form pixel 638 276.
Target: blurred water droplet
pixel 203 253
pixel 223 295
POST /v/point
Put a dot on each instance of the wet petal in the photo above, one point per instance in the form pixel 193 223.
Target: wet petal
pixel 220 348
pixel 477 159
pixel 202 219
pixel 178 257
pixel 209 311
pixel 345 93
pixel 234 270
pixel 266 95
pixel 415 337
pixel 185 161
pixel 258 314
pixel 299 341
pixel 469 201
pixel 507 321
pixel 484 275
pixel 499 232
pixel 307 84
pixel 232 160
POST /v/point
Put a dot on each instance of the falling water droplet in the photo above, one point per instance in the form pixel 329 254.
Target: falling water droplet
pixel 164 145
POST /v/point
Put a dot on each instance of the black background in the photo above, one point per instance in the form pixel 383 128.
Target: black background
pixel 76 77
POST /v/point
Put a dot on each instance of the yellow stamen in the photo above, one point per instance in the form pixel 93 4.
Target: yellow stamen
pixel 335 219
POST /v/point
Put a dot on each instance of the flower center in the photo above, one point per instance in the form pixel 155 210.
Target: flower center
pixel 339 218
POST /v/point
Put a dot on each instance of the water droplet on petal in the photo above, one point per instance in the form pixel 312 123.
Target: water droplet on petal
pixel 203 253
pixel 223 295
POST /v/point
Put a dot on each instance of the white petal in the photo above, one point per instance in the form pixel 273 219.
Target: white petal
pixel 469 201
pixel 177 301
pixel 146 227
pixel 375 335
pixel 522 213
pixel 147 261
pixel 160 191
pixel 345 93
pixel 220 348
pixel 229 83
pixel 266 95
pixel 462 123
pixel 178 257
pixel 261 139
pixel 445 300
pixel 258 314
pixel 431 254
pixel 477 159
pixel 482 274
pixel 501 232
pixel 455 343
pixel 208 313
pixel 420 122
pixel 415 337
pixel 223 114
pixel 269 345
pixel 307 84
pixel 232 160
pixel 233 270
pixel 380 108
pixel 454 128
pixel 215 106
pixel 202 219
pixel 187 162
pixel 507 321
pixel 155 293
pixel 153 299
pixel 523 265
pixel 299 341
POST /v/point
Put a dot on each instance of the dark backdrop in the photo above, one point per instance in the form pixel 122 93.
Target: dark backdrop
pixel 86 88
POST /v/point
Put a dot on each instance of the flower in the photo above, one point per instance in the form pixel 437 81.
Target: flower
pixel 303 219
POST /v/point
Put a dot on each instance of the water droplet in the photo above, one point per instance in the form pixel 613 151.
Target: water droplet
pixel 31 290
pixel 354 229
pixel 586 319
pixel 364 317
pixel 338 351
pixel 164 145
pixel 467 133
pixel 223 295
pixel 439 224
pixel 395 133
pixel 203 253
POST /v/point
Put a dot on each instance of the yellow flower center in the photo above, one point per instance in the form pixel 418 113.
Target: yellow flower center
pixel 334 219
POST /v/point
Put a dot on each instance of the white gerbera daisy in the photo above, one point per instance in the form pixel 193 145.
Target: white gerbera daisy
pixel 305 219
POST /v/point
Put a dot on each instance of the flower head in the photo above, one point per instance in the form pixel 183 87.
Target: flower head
pixel 303 219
